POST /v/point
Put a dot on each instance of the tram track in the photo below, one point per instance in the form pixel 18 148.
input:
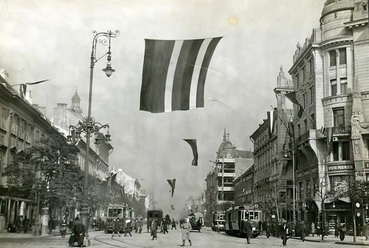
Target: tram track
pixel 102 239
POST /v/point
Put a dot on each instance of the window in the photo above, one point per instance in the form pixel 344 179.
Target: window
pixel 311 66
pixel 342 52
pixel 311 94
pixel 339 117
pixel 341 151
pixel 345 150
pixel 332 58
pixel 333 87
pixel 343 85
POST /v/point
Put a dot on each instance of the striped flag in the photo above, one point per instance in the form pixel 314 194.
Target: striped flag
pixel 174 73
pixel 172 183
pixel 193 144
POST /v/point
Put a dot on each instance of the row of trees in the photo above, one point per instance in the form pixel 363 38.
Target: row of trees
pixel 49 171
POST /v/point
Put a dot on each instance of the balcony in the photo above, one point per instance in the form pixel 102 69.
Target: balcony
pixel 225 188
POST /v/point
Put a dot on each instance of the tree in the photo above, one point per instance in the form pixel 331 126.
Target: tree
pixel 48 168
pixel 356 190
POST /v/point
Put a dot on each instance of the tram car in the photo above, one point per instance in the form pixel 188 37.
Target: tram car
pixel 218 222
pixel 115 213
pixel 155 215
pixel 235 218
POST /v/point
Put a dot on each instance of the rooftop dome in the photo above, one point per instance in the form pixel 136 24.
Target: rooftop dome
pixel 226 148
pixel 76 97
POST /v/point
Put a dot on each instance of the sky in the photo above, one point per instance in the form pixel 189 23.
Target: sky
pixel 51 39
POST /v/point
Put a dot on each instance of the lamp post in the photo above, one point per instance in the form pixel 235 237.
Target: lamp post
pixel 88 125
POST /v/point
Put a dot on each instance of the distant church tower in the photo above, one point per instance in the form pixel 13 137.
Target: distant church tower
pixel 64 116
pixel 76 103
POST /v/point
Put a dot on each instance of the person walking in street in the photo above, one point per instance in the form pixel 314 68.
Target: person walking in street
pixel 336 231
pixel 63 228
pixel 248 230
pixel 366 230
pixel 174 225
pixel 128 228
pixel 140 225
pixel 267 230
pixel 154 230
pixel 116 227
pixel 186 228
pixel 303 230
pixel 165 226
pixel 25 224
pixel 312 228
pixel 148 225
pixel 284 235
pixel 342 230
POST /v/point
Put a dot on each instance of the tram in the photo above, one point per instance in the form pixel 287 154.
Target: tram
pixel 154 215
pixel 235 218
pixel 114 212
pixel 218 221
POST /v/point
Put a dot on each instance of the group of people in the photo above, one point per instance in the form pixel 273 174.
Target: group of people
pixel 20 224
pixel 128 227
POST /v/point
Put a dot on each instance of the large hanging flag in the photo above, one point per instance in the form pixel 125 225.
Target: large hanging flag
pixel 174 73
pixel 172 183
pixel 193 145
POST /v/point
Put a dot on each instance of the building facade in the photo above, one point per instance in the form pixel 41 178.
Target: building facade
pixel 331 79
pixel 21 126
pixel 229 164
pixel 273 167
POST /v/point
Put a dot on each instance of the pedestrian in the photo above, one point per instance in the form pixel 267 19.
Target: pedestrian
pixel 297 229
pixel 50 224
pixel 128 228
pixel 303 230
pixel 285 232
pixel 148 225
pixel 312 228
pixel 248 230
pixel 336 231
pixel 342 230
pixel 174 225
pixel 165 226
pixel 140 225
pixel 267 230
pixel 154 229
pixel 186 228
pixel 36 226
pixel 63 228
pixel 18 223
pixel 366 230
pixel 136 225
pixel 116 227
pixel 78 233
pixel 326 230
pixel 25 224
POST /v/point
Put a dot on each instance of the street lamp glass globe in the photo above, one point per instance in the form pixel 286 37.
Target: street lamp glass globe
pixel 108 70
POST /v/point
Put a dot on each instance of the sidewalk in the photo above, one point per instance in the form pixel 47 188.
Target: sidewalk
pixel 349 240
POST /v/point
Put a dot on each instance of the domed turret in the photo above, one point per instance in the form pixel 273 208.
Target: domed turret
pixel 334 16
pixel 226 149
pixel 76 103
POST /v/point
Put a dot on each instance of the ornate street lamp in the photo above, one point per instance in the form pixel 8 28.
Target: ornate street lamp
pixel 88 125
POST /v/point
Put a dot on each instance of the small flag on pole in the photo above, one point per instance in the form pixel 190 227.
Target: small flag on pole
pixel 193 145
pixel 172 183
pixel 174 73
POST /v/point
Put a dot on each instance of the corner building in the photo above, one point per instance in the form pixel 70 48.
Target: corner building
pixel 331 78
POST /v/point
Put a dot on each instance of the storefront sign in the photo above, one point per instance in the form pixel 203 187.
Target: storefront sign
pixel 340 167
